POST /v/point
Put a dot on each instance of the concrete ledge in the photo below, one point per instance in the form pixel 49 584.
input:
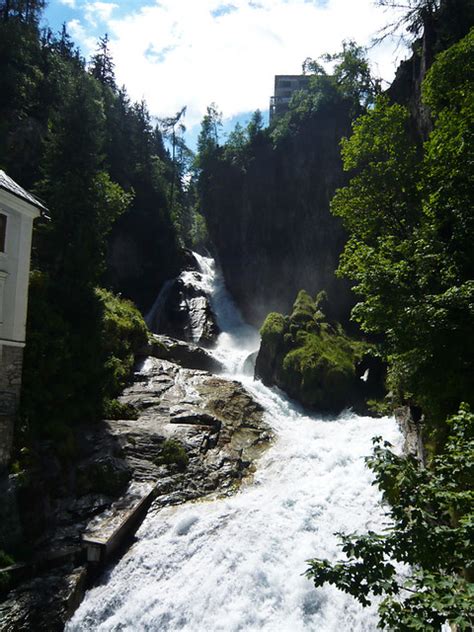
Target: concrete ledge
pixel 108 534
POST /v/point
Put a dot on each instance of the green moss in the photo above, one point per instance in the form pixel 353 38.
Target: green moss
pixel 303 308
pixel 307 313
pixel 273 327
pixel 323 366
pixel 313 360
pixel 173 453
pixel 114 409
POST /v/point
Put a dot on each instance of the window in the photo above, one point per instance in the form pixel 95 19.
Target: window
pixel 3 231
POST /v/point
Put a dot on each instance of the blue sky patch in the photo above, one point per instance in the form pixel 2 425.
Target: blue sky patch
pixel 158 56
pixel 223 9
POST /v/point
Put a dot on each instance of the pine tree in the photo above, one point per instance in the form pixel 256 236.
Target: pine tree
pixel 102 65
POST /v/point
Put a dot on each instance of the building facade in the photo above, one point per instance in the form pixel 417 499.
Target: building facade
pixel 285 87
pixel 18 210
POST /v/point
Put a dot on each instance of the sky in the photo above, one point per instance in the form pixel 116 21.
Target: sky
pixel 176 53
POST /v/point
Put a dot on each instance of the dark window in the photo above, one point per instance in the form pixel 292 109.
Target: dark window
pixel 284 84
pixel 3 231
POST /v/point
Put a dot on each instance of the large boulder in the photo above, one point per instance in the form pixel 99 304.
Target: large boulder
pixel 185 354
pixel 315 361
pixel 183 309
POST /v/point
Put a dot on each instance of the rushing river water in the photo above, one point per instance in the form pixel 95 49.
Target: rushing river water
pixel 236 563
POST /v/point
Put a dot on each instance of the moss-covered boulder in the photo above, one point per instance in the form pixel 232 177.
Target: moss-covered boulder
pixel 315 361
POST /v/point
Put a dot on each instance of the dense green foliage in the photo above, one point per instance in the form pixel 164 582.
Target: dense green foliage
pixel 69 134
pixel 75 376
pixel 409 216
pixel 314 361
pixel 408 211
pixel 432 530
pixel 123 335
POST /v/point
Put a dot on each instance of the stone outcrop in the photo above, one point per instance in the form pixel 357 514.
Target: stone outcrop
pixel 215 423
pixel 219 425
pixel 183 310
pixel 410 420
pixel 186 355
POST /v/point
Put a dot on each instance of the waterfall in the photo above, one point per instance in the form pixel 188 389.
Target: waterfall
pixel 237 339
pixel 235 564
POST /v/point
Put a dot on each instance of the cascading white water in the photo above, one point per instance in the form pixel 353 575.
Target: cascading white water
pixel 235 564
pixel 237 339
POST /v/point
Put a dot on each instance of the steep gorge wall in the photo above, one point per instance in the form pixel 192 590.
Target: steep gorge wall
pixel 271 225
pixel 270 222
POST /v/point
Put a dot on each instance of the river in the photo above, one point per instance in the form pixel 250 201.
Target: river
pixel 236 563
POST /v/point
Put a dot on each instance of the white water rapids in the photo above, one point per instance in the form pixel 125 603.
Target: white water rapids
pixel 236 563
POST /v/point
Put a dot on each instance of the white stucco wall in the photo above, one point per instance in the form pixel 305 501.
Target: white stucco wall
pixel 15 267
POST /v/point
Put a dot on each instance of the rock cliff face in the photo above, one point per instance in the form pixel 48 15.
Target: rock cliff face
pixel 271 225
pixel 441 29
pixel 183 309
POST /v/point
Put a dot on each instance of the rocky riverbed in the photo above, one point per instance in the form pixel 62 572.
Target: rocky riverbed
pixel 219 431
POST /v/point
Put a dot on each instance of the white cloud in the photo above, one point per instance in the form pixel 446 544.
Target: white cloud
pixel 182 52
pixel 99 11
pixel 79 34
pixel 69 3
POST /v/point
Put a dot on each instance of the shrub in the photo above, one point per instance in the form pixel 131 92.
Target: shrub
pixel 173 452
pixel 124 333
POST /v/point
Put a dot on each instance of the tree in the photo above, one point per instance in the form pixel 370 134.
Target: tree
pixel 255 126
pixel 208 139
pixel 102 65
pixel 352 74
pixel 348 86
pixel 84 203
pixel 236 147
pixel 410 228
pixel 28 11
pixel 173 130
pixel 415 16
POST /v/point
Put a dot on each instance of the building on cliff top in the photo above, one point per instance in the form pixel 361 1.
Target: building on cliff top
pixel 285 87
pixel 18 210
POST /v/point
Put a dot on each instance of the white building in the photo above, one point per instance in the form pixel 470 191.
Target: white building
pixel 18 210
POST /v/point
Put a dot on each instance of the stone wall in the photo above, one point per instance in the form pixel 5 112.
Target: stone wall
pixel 11 361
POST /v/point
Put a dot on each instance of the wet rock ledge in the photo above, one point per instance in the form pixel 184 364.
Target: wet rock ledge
pixel 195 434
pixel 219 425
